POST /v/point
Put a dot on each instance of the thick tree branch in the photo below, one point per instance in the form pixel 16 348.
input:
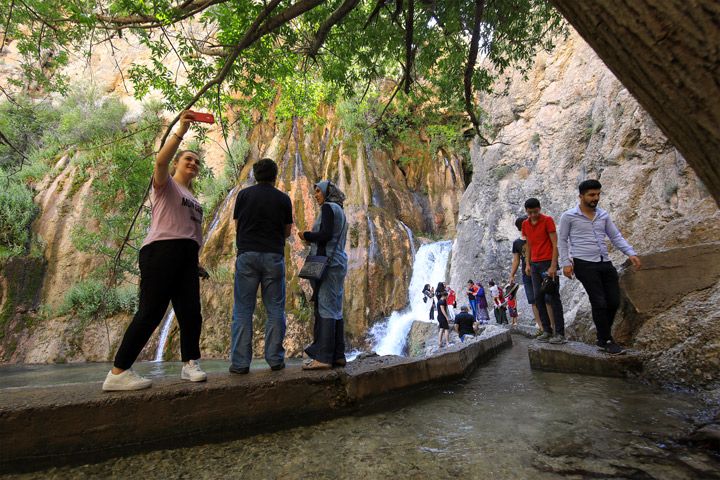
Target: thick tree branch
pixel 333 19
pixel 186 10
pixel 470 68
pixel 409 51
pixel 376 11
pixel 7 25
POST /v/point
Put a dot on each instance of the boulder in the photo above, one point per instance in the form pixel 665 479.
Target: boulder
pixel 576 357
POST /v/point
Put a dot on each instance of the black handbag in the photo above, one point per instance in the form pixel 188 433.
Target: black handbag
pixel 315 265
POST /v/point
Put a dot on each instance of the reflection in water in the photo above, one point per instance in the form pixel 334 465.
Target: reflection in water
pixel 504 422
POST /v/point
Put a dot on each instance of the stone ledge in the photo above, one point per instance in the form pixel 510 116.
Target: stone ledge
pixel 576 357
pixel 53 425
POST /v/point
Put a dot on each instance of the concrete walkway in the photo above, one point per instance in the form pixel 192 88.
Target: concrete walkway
pixel 80 423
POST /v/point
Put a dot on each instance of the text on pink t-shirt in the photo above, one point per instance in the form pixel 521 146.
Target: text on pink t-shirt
pixel 176 214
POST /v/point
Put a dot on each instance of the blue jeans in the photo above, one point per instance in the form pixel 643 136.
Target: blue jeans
pixel 473 307
pixel 267 270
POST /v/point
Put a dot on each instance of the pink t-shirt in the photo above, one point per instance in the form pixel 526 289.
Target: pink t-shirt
pixel 176 214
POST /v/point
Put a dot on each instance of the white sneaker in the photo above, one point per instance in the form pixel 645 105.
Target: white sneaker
pixel 191 371
pixel 127 380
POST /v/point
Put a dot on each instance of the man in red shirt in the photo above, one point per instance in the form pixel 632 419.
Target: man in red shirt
pixel 542 261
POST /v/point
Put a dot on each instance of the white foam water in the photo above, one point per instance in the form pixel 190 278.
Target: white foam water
pixel 390 336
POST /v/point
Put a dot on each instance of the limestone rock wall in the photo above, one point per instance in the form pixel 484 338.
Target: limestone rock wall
pixel 570 120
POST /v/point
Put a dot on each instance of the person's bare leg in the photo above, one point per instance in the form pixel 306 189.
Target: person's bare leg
pixel 551 315
pixel 536 314
pixel 117 371
pixel 440 336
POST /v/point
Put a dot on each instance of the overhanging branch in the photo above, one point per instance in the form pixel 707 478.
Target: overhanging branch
pixel 333 19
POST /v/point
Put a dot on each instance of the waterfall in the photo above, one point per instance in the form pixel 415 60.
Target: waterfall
pixel 410 238
pixel 218 213
pixel 372 247
pixel 166 324
pixel 389 337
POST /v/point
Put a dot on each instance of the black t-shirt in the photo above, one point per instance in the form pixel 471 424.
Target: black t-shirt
pixel 262 212
pixel 440 303
pixel 465 321
pixel 519 247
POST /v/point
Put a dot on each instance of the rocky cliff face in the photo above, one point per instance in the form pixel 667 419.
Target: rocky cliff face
pixel 571 120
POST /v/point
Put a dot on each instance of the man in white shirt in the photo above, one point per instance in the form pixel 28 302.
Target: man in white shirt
pixel 583 251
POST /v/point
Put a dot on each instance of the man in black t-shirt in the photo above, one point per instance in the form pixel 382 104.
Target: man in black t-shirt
pixel 263 218
pixel 464 323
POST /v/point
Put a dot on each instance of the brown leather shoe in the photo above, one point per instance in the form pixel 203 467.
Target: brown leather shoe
pixel 315 365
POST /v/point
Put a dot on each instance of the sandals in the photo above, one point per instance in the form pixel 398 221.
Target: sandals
pixel 315 365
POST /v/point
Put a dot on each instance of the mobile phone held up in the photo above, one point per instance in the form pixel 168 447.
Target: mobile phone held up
pixel 201 117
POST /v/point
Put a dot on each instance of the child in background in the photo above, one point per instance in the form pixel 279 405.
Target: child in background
pixel 512 310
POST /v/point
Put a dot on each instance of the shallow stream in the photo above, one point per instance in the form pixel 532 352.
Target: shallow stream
pixel 504 422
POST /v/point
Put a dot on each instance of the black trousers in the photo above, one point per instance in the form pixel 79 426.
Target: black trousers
pixel 600 280
pixel 168 273
pixel 537 269
pixel 328 339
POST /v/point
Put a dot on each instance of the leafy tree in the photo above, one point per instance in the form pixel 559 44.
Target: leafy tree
pixel 215 53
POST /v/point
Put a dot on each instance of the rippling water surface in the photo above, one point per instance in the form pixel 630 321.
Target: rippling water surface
pixel 504 422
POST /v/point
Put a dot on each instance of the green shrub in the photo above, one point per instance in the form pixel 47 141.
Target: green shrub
pixel 501 171
pixel 17 211
pixel 93 299
pixel 85 117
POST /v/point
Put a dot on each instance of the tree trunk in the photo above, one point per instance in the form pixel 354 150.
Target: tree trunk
pixel 667 54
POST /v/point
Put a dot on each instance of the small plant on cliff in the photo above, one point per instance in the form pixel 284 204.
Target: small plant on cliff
pixel 501 171
pixel 93 299
pixel 17 211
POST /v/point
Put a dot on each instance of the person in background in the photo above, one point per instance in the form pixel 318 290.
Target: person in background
pixel 512 310
pixel 443 321
pixel 472 291
pixel 429 294
pixel 328 237
pixel 168 266
pixel 499 304
pixel 542 261
pixel 465 324
pixel 452 302
pixel 481 305
pixel 583 252
pixel 519 252
pixel 263 219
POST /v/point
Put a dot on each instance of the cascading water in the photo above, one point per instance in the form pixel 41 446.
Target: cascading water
pixel 389 337
pixel 410 238
pixel 167 322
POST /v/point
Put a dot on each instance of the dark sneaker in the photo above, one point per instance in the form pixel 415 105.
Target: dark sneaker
pixel 340 362
pixel 613 348
pixel 275 368
pixel 558 340
pixel 239 370
pixel 545 337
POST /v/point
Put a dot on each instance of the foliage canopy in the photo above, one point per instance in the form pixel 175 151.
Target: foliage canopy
pixel 215 53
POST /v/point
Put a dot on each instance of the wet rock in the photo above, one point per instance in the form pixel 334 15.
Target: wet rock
pixel 707 435
pixel 576 357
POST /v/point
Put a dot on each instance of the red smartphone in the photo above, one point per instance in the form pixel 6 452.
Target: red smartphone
pixel 201 117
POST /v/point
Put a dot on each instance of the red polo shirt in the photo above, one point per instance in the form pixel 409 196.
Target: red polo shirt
pixel 539 237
